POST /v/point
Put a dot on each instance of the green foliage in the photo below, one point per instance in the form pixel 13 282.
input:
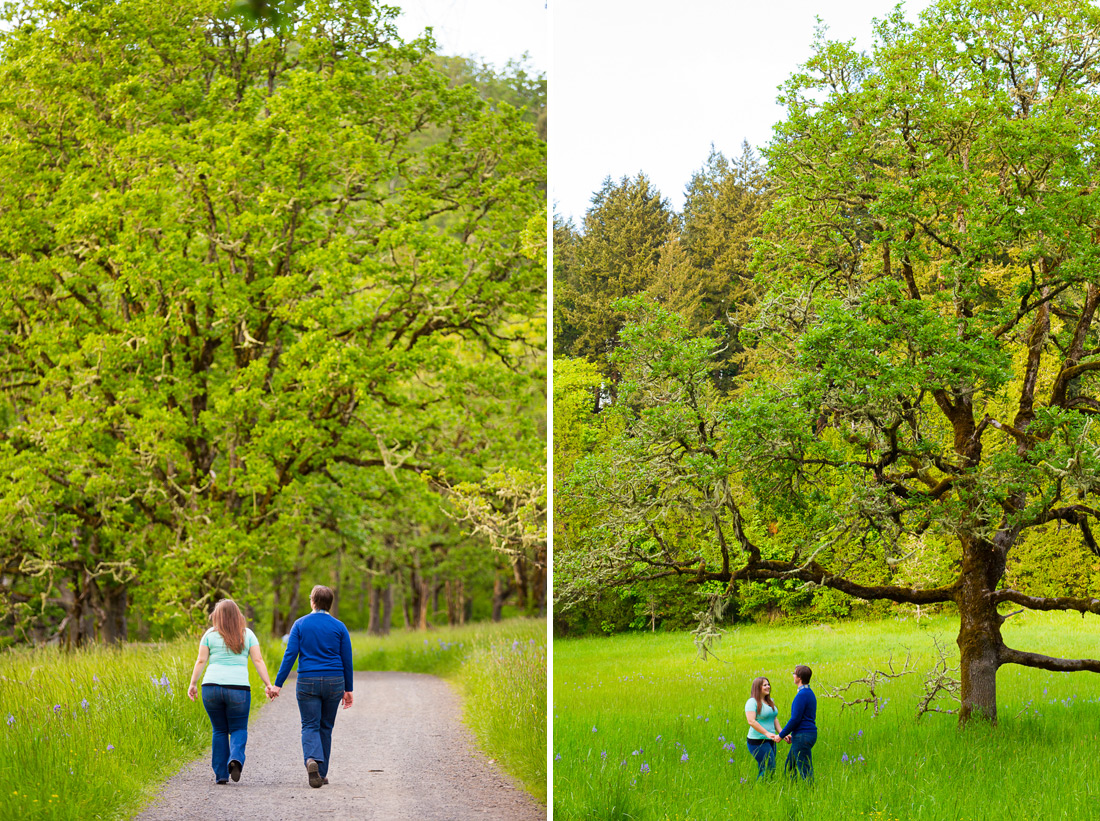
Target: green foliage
pixel 254 274
pixel 618 254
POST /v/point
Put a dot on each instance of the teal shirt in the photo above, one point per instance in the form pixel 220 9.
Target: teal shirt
pixel 765 718
pixel 226 667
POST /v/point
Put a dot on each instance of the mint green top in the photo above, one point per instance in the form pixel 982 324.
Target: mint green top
pixel 225 666
pixel 765 718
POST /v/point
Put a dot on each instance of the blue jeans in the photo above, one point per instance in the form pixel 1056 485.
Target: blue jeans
pixel 318 700
pixel 764 752
pixel 228 711
pixel 800 757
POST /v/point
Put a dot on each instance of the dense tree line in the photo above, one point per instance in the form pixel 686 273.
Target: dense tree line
pixel 271 297
pixel 914 417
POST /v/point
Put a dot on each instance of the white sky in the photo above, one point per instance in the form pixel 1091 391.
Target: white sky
pixel 648 85
pixel 493 30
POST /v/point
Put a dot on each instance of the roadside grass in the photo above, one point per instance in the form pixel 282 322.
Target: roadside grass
pixel 88 734
pixel 500 670
pixel 642 728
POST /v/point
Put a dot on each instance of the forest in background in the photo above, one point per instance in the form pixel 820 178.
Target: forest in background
pixel 273 300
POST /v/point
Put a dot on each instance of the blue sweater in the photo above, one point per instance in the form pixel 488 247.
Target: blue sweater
pixel 322 646
pixel 803 713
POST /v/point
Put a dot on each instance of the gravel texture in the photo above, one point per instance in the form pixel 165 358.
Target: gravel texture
pixel 400 752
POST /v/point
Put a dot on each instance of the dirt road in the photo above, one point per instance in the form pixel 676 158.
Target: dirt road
pixel 400 752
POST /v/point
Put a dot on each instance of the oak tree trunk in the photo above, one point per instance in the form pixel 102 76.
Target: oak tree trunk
pixel 979 632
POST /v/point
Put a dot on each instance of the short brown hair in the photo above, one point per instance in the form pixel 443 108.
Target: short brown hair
pixel 803 672
pixel 321 597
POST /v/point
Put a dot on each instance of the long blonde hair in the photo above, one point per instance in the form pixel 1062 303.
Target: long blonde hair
pixel 758 694
pixel 229 621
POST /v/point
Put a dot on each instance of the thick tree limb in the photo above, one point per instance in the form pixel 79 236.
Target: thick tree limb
pixel 816 574
pixel 1010 656
pixel 1053 603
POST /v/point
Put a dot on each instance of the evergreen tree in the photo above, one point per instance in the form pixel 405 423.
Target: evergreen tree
pixel 617 255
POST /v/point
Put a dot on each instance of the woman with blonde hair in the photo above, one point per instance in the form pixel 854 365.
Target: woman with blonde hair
pixel 761 713
pixel 226 695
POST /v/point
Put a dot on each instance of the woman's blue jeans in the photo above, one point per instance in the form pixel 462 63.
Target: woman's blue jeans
pixel 764 753
pixel 228 711
pixel 318 700
pixel 800 756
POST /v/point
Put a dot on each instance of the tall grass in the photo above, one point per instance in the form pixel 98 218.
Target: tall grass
pixel 501 672
pixel 85 735
pixel 643 730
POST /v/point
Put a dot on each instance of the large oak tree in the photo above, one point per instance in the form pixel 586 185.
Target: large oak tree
pixel 926 360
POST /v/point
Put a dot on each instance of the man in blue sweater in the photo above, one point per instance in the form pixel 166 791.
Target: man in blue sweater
pixel 322 646
pixel 801 731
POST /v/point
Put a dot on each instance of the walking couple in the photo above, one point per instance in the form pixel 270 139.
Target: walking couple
pixel 800 732
pixel 322 646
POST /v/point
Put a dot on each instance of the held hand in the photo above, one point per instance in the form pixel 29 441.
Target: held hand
pixel 192 691
pixel 789 739
pixel 347 699
pixel 272 691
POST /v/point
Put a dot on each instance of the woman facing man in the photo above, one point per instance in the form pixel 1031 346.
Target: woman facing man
pixel 800 732
pixel 322 647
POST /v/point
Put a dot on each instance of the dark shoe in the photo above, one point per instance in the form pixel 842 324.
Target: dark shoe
pixel 235 770
pixel 223 782
pixel 324 780
pixel 314 775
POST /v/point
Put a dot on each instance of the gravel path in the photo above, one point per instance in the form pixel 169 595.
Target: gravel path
pixel 400 752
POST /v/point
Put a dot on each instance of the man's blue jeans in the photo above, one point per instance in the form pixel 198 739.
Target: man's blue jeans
pixel 764 753
pixel 318 700
pixel 800 756
pixel 228 711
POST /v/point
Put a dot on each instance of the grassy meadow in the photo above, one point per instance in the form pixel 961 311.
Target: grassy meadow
pixel 92 734
pixel 644 730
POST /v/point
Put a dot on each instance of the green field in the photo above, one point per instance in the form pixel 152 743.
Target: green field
pixel 642 728
pixel 93 733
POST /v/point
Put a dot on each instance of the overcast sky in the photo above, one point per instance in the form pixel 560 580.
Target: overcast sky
pixel 496 31
pixel 648 85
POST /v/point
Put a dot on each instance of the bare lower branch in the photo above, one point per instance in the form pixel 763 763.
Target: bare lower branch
pixel 1010 656
pixel 1053 603
pixel 813 572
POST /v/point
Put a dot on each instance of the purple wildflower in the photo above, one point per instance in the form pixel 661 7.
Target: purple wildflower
pixel 110 747
pixel 844 758
pixel 57 708
pixel 644 768
pixel 557 757
pixel 603 755
pixel 11 719
pixel 593 728
pixel 684 757
pixel 84 703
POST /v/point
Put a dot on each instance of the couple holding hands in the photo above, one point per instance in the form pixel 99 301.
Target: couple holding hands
pixel 322 646
pixel 800 732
